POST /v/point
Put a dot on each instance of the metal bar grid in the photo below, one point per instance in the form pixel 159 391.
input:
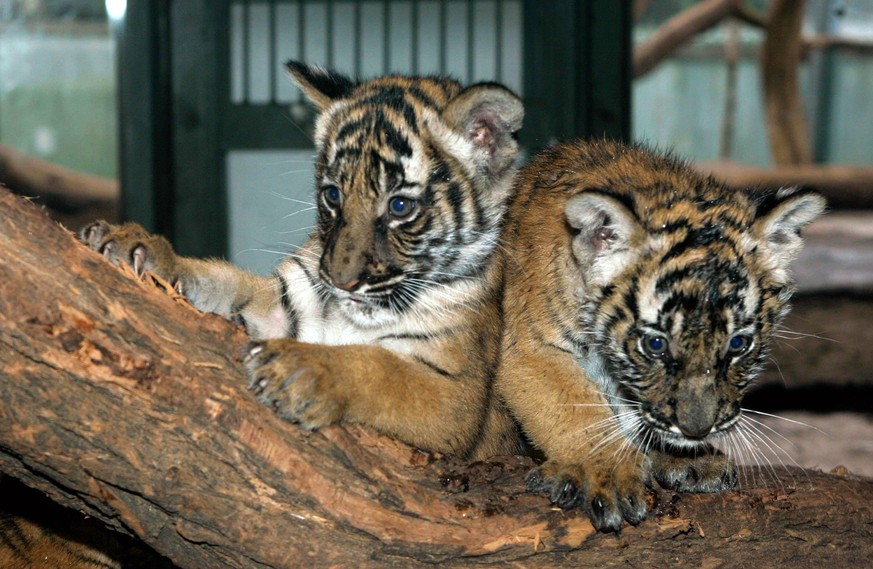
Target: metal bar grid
pixel 322 27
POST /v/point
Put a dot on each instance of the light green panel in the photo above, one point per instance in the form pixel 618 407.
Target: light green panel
pixel 270 205
pixel 58 100
pixel 851 113
pixel 678 106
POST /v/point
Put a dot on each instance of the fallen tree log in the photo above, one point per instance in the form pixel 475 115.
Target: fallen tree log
pixel 119 400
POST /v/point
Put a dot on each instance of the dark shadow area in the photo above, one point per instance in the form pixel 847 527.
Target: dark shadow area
pixel 816 398
pixel 22 501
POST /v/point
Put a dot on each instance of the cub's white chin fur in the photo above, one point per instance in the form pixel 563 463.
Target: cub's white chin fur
pixel 365 315
pixel 669 439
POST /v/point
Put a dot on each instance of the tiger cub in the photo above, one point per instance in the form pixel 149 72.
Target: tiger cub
pixel 641 298
pixel 388 315
pixel 27 545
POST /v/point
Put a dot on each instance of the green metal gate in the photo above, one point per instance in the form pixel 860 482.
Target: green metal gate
pixel 201 78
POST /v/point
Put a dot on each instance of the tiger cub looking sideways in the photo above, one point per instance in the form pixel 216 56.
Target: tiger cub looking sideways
pixel 640 301
pixel 388 315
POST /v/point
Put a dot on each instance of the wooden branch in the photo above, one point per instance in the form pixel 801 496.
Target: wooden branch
pixel 639 8
pixel 120 400
pixel 678 30
pixel 750 16
pixel 824 41
pixel 780 60
pixel 844 186
pixel 59 187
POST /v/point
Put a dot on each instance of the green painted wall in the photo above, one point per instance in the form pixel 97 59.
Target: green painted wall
pixel 58 99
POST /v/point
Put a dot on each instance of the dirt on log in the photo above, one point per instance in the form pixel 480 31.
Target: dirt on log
pixel 121 401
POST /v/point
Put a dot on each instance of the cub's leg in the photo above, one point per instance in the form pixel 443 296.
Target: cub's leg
pixel 590 464
pixel 210 285
pixel 316 385
pixel 696 470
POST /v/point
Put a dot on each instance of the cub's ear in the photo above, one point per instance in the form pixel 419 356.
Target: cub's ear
pixel 321 86
pixel 607 229
pixel 488 115
pixel 780 217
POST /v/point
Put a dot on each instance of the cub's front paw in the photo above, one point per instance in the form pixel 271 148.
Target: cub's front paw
pixel 608 494
pixel 131 244
pixel 295 380
pixel 710 471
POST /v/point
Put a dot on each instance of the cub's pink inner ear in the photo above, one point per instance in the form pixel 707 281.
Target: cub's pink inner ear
pixel 604 221
pixel 483 132
pixel 603 237
pixel 488 115
pixel 605 230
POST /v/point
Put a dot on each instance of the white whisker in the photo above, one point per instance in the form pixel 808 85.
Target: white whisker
pixel 299 211
pixel 787 334
pixel 292 200
pixel 786 419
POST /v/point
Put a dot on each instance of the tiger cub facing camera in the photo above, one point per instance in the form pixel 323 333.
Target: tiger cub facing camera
pixel 641 299
pixel 388 315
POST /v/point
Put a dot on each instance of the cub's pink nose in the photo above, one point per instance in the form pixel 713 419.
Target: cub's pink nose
pixel 349 285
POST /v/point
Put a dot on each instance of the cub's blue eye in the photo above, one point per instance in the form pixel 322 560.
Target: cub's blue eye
pixel 399 206
pixel 655 345
pixel 739 344
pixel 332 195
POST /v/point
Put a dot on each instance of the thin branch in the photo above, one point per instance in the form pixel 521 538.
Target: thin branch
pixel 780 59
pixel 678 30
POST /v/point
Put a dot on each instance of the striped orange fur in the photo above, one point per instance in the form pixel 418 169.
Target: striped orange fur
pixel 641 299
pixel 389 315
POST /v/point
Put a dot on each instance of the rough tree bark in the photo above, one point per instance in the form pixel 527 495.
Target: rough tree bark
pixel 121 401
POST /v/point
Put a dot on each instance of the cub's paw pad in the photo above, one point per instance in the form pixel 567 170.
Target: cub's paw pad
pixel 605 513
pixel 707 473
pixel 608 498
pixel 281 378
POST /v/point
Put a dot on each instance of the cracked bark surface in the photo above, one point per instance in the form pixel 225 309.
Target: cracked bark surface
pixel 119 400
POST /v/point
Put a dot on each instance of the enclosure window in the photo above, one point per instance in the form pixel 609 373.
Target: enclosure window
pixel 57 83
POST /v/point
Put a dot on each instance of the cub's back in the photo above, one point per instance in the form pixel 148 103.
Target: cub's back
pixel 26 545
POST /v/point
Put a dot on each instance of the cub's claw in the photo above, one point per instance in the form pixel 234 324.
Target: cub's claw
pixel 139 259
pixel 131 244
